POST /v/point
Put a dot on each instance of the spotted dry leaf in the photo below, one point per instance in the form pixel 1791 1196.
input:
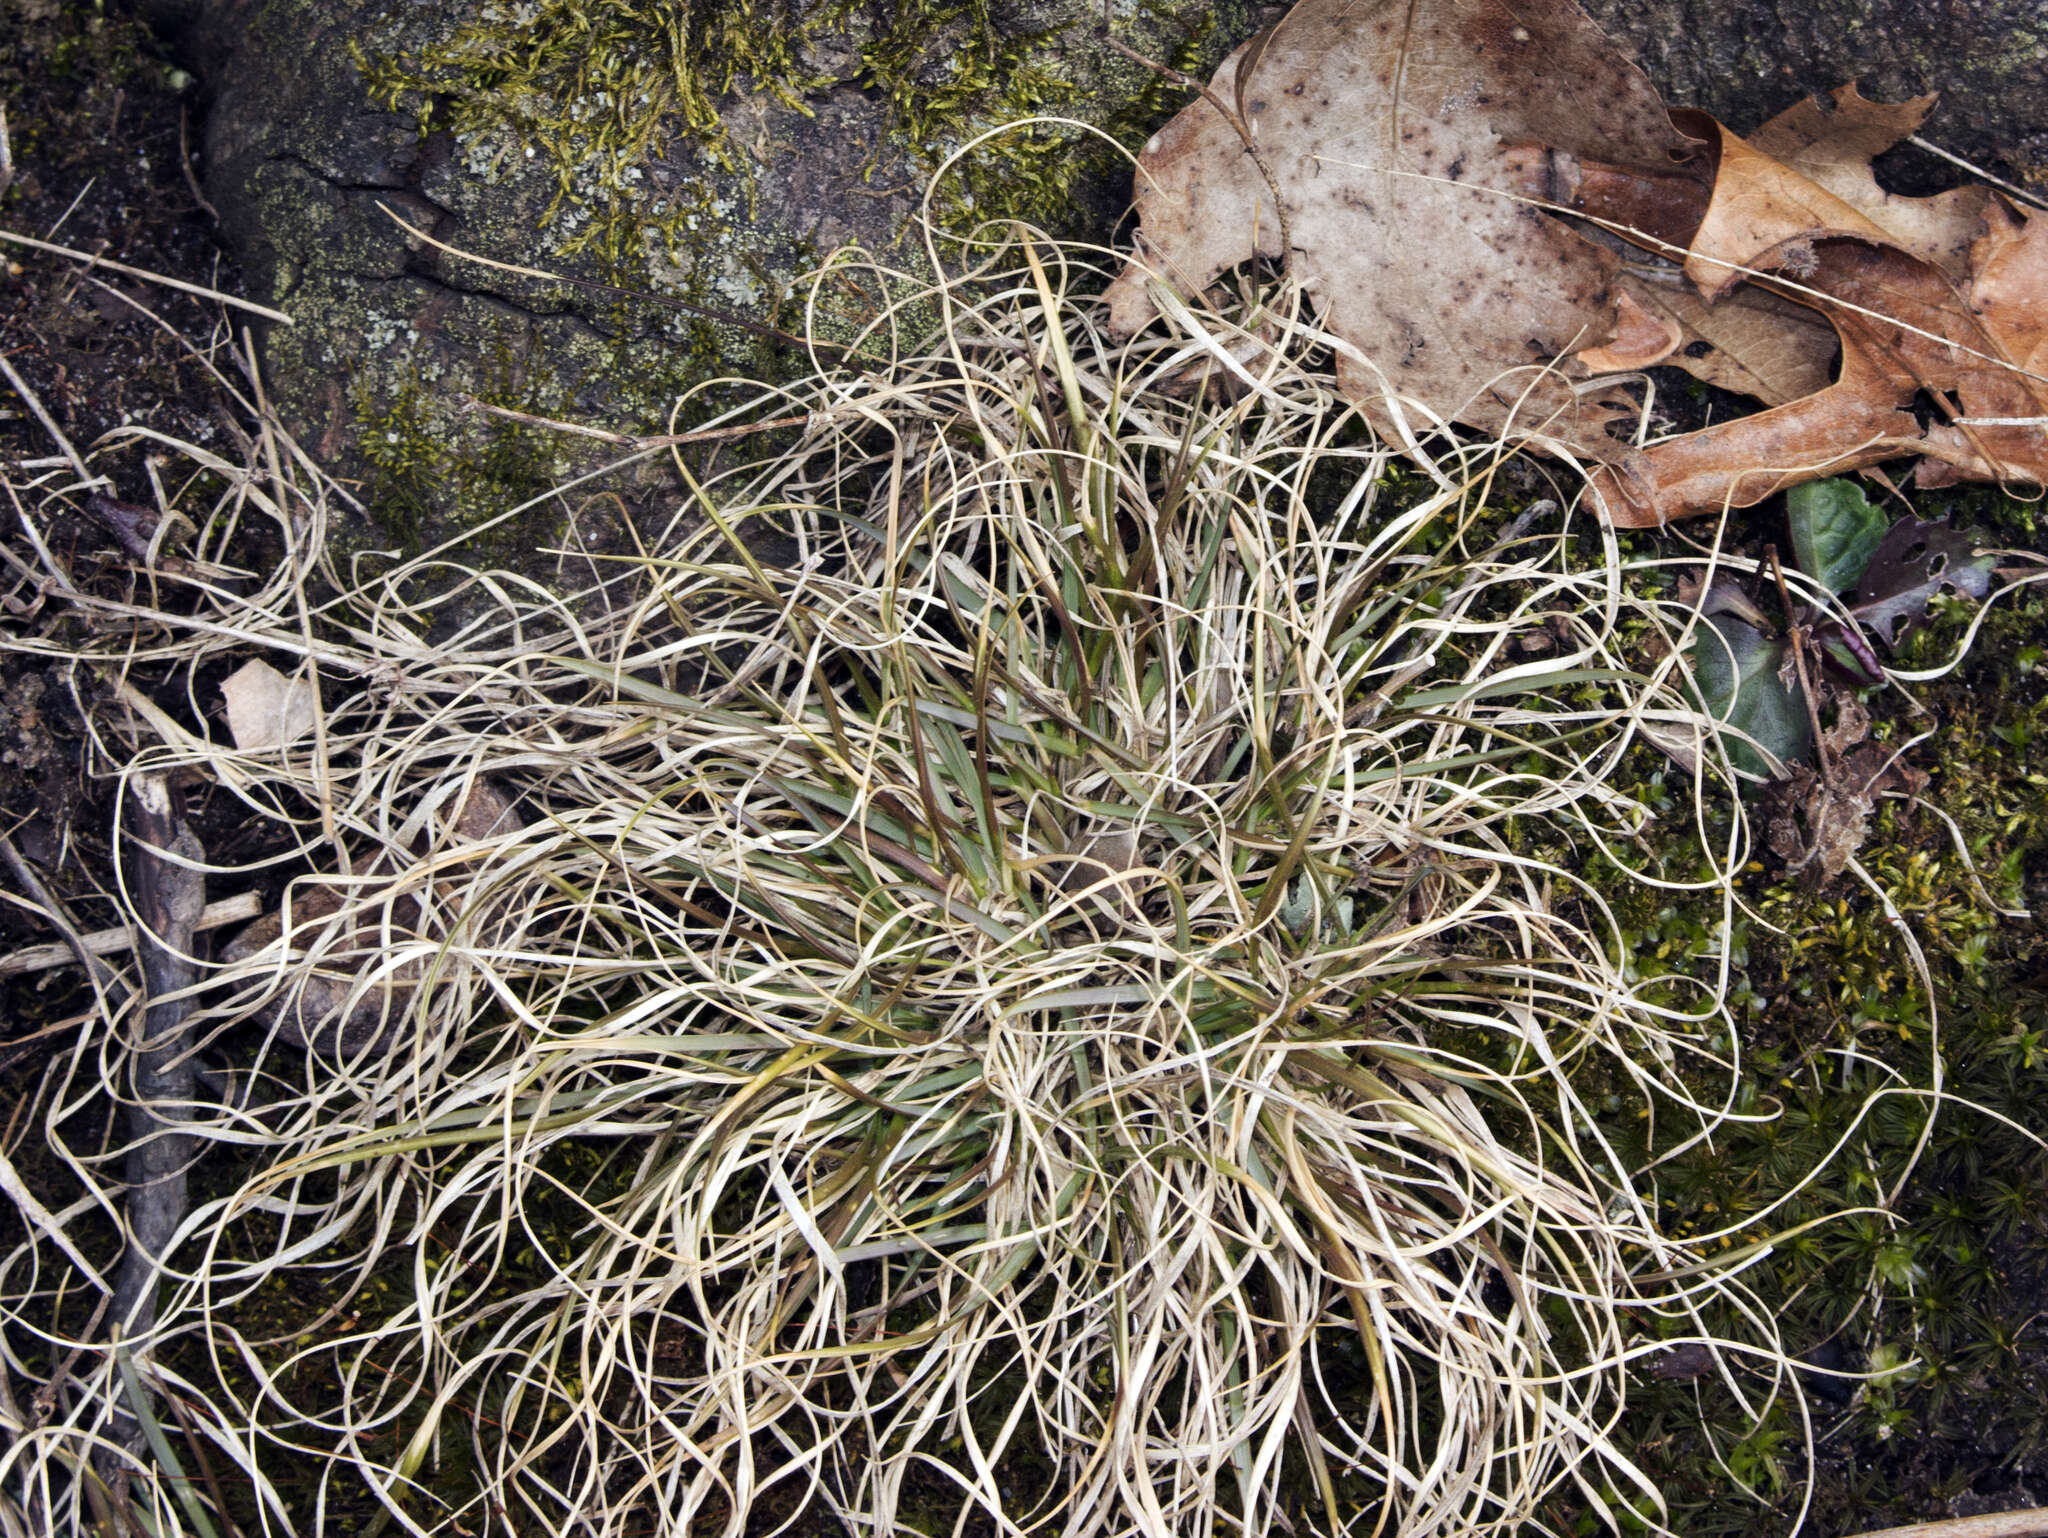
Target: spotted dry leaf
pixel 1403 151
pixel 1399 136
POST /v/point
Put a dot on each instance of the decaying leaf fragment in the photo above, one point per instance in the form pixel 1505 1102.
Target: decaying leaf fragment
pixel 1818 819
pixel 1395 134
pixel 266 709
pixel 1913 563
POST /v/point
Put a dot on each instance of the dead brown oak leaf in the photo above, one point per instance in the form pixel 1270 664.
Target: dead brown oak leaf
pixel 1392 132
pixel 1945 297
pixel 1416 147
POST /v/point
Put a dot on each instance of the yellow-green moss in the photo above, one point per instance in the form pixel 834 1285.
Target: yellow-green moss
pixel 599 89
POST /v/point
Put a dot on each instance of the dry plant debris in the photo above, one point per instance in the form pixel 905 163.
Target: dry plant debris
pixel 1772 678
pixel 265 708
pixel 1045 967
pixel 1416 167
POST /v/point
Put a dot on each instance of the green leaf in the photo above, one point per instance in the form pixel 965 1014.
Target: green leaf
pixel 1835 531
pixel 1737 670
pixel 138 1401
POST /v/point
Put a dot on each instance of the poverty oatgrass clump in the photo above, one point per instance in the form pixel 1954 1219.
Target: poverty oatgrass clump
pixel 998 942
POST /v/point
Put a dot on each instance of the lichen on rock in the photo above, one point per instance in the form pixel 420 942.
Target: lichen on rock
pixel 700 158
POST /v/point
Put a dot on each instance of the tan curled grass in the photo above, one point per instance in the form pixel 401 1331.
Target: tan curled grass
pixel 1020 883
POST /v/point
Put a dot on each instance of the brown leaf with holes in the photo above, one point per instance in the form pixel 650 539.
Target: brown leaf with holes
pixel 1398 136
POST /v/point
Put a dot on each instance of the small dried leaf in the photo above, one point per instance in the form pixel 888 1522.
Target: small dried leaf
pixel 132 525
pixel 1852 726
pixel 1820 826
pixel 266 709
pixel 325 1008
pixel 1679 1363
pixel 1723 596
pixel 320 1009
pixel 485 813
pixel 1092 865
pixel 1817 823
pixel 1915 562
pixel 1644 336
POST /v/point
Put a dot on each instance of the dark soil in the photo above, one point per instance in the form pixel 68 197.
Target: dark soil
pixel 96 114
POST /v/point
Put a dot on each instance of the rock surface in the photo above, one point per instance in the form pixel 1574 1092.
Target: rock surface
pixel 761 141
pixel 1747 60
pixel 860 102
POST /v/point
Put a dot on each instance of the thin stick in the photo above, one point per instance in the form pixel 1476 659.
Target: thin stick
pixel 1798 634
pixel 23 1047
pixel 114 942
pixel 196 289
pixel 185 164
pixel 627 440
pixel 6 156
pixel 1997 181
pixel 1999 1524
pixel 42 415
pixel 168 891
pixel 44 1400
pixel 198 1445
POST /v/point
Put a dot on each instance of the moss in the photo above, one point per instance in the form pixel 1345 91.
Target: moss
pixel 1831 1012
pixel 436 467
pixel 423 475
pixel 701 155
pixel 601 91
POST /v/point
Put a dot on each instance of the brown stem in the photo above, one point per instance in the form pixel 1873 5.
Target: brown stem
pixel 2000 1524
pixel 170 894
pixel 1797 634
